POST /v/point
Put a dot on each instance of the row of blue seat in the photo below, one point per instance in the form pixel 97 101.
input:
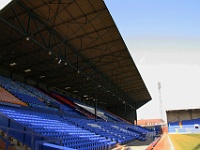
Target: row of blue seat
pixel 39 94
pixel 185 122
pixel 34 97
pixel 56 126
pixel 189 126
pixel 66 122
pixel 108 129
pixel 19 92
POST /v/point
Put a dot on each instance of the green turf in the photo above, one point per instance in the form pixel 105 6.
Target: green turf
pixel 193 135
pixel 185 141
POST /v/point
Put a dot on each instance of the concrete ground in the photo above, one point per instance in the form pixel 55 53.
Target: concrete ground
pixel 139 145
pixel 135 145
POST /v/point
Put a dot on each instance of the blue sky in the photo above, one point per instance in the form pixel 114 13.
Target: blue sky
pixel 155 17
pixel 163 37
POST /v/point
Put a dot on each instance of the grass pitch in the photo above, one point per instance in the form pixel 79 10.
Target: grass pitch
pixel 185 141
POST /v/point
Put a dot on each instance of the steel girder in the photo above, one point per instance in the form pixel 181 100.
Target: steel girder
pixel 35 29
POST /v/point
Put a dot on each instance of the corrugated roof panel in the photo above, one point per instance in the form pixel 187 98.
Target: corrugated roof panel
pixel 102 55
pixel 85 6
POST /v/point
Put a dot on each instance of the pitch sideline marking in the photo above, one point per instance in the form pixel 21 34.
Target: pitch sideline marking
pixel 170 143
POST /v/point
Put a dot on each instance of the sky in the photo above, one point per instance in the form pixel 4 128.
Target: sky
pixel 163 37
pixel 3 3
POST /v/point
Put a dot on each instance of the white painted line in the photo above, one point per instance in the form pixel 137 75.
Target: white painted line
pixel 170 142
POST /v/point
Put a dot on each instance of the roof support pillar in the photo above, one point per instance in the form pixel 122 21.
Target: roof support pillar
pixel 135 122
pixel 95 104
pixel 125 112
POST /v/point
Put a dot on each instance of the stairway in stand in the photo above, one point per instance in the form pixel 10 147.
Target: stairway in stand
pixel 14 144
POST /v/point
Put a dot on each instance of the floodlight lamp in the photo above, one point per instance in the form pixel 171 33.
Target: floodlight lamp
pixel 27 38
pixel 42 77
pixel 85 95
pixel 27 70
pixel 59 61
pixel 13 64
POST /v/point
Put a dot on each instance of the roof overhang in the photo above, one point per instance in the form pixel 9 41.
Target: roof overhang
pixel 73 45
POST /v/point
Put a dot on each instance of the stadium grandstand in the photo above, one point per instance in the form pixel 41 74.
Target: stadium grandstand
pixel 157 125
pixel 67 78
pixel 183 120
pixel 183 131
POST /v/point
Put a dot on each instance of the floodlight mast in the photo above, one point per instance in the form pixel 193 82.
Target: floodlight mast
pixel 160 100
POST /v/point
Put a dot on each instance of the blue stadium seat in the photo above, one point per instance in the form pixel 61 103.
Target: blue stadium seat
pixel 65 124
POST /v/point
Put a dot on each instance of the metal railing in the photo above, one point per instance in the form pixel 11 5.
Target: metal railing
pixel 35 144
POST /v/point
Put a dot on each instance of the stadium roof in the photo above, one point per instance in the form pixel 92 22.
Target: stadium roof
pixel 183 109
pixel 73 45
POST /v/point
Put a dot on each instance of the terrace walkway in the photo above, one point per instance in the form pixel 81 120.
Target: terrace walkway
pixel 135 145
pixel 164 143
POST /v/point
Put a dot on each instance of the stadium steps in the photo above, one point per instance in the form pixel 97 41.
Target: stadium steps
pixel 5 96
pixel 14 144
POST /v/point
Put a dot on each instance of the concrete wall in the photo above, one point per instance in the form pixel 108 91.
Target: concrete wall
pixel 124 112
pixel 179 115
